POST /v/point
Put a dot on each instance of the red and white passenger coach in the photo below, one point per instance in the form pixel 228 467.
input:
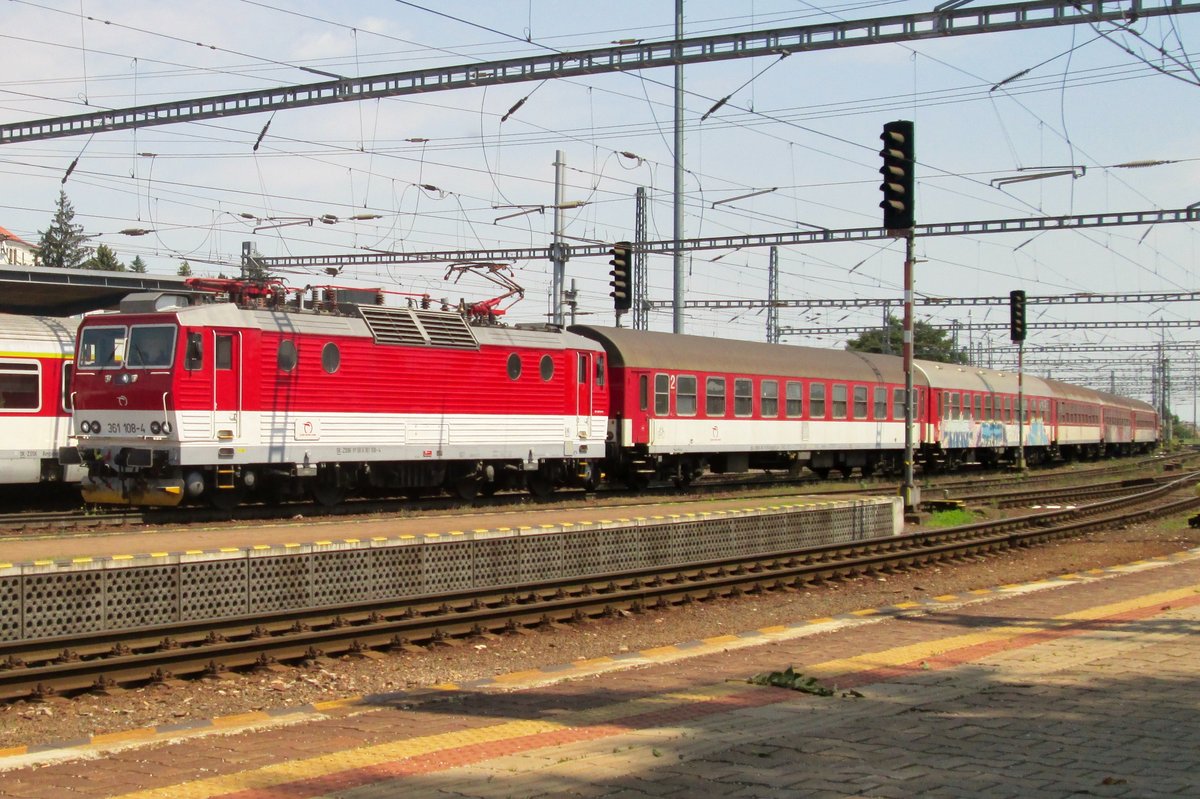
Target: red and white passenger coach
pixel 216 400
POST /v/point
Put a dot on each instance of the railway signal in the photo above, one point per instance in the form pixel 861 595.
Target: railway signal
pixel 1016 315
pixel 899 162
pixel 622 293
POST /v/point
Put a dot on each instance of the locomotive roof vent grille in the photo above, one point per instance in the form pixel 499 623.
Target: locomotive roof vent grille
pixel 411 327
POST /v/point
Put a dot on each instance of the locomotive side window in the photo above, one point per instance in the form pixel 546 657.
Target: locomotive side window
pixel 546 368
pixel 514 366
pixel 102 348
pixel 20 386
pixel 881 403
pixel 816 400
pixel 287 355
pixel 151 346
pixel 714 396
pixel 839 400
pixel 768 399
pixel 685 395
pixel 662 395
pixel 194 357
pixel 331 357
pixel 600 370
pixel 224 351
pixel 743 397
pixel 860 402
pixel 794 401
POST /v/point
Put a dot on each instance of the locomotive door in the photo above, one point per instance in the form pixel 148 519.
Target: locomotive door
pixel 227 384
pixel 584 405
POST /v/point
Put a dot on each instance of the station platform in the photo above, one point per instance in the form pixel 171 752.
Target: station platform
pixel 1086 684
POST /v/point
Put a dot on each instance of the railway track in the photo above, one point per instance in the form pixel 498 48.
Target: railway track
pixel 87 519
pixel 88 662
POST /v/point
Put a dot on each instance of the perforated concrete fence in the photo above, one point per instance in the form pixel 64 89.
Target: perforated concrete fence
pixel 48 600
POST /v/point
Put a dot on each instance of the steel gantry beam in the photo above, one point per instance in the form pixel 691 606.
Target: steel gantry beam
pixel 981 326
pixel 741 242
pixel 621 58
pixel 1046 299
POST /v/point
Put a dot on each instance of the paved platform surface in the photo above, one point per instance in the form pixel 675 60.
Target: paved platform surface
pixel 1086 685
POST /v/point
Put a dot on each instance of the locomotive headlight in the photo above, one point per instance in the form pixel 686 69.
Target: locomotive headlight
pixel 166 428
pixel 95 425
pixel 85 427
pixel 155 429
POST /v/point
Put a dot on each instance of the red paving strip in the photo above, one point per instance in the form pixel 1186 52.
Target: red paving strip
pixel 749 698
pixel 476 753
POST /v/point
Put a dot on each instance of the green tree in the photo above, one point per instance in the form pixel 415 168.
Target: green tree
pixel 185 269
pixel 137 265
pixel 105 260
pixel 929 343
pixel 61 244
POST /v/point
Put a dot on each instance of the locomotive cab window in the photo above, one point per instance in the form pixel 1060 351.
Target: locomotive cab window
pixel 714 396
pixel 102 348
pixel 194 356
pixel 20 386
pixel 514 366
pixel 685 395
pixel 662 395
pixel 224 351
pixel 287 357
pixel 768 400
pixel 151 346
pixel 743 397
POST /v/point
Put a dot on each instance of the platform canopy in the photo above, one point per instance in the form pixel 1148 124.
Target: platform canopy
pixel 46 291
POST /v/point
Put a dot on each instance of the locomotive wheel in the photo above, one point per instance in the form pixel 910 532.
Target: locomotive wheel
pixel 226 498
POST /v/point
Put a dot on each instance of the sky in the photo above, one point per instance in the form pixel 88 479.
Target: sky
pixel 438 170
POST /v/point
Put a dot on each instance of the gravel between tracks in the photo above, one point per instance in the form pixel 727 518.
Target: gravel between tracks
pixel 23 723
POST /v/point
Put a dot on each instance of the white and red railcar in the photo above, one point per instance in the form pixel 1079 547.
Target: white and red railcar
pixel 35 416
pixel 212 401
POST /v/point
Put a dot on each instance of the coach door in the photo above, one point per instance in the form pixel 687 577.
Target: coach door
pixel 227 384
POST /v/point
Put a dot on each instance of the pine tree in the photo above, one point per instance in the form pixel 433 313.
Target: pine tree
pixel 137 265
pixel 104 260
pixel 61 244
pixel 185 269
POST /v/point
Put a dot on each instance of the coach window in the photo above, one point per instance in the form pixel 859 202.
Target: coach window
pixel 662 395
pixel 287 357
pixel 978 406
pixel 987 408
pixel 151 346
pixel 955 409
pixel 898 403
pixel 514 367
pixel 881 403
pixel 839 400
pixel 101 348
pixel 331 357
pixel 816 400
pixel 743 397
pixel 546 369
pixel 768 399
pixel 193 357
pixel 714 396
pixel 223 351
pixel 20 386
pixel 860 402
pixel 68 369
pixel 685 395
pixel 643 392
pixel 795 399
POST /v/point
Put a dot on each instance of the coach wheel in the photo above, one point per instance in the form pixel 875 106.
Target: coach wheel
pixel 821 472
pixel 466 488
pixel 327 494
pixel 539 485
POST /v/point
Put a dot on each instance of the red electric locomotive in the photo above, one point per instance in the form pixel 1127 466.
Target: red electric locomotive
pixel 263 392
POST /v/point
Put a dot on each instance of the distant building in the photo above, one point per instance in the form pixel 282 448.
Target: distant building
pixel 15 251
